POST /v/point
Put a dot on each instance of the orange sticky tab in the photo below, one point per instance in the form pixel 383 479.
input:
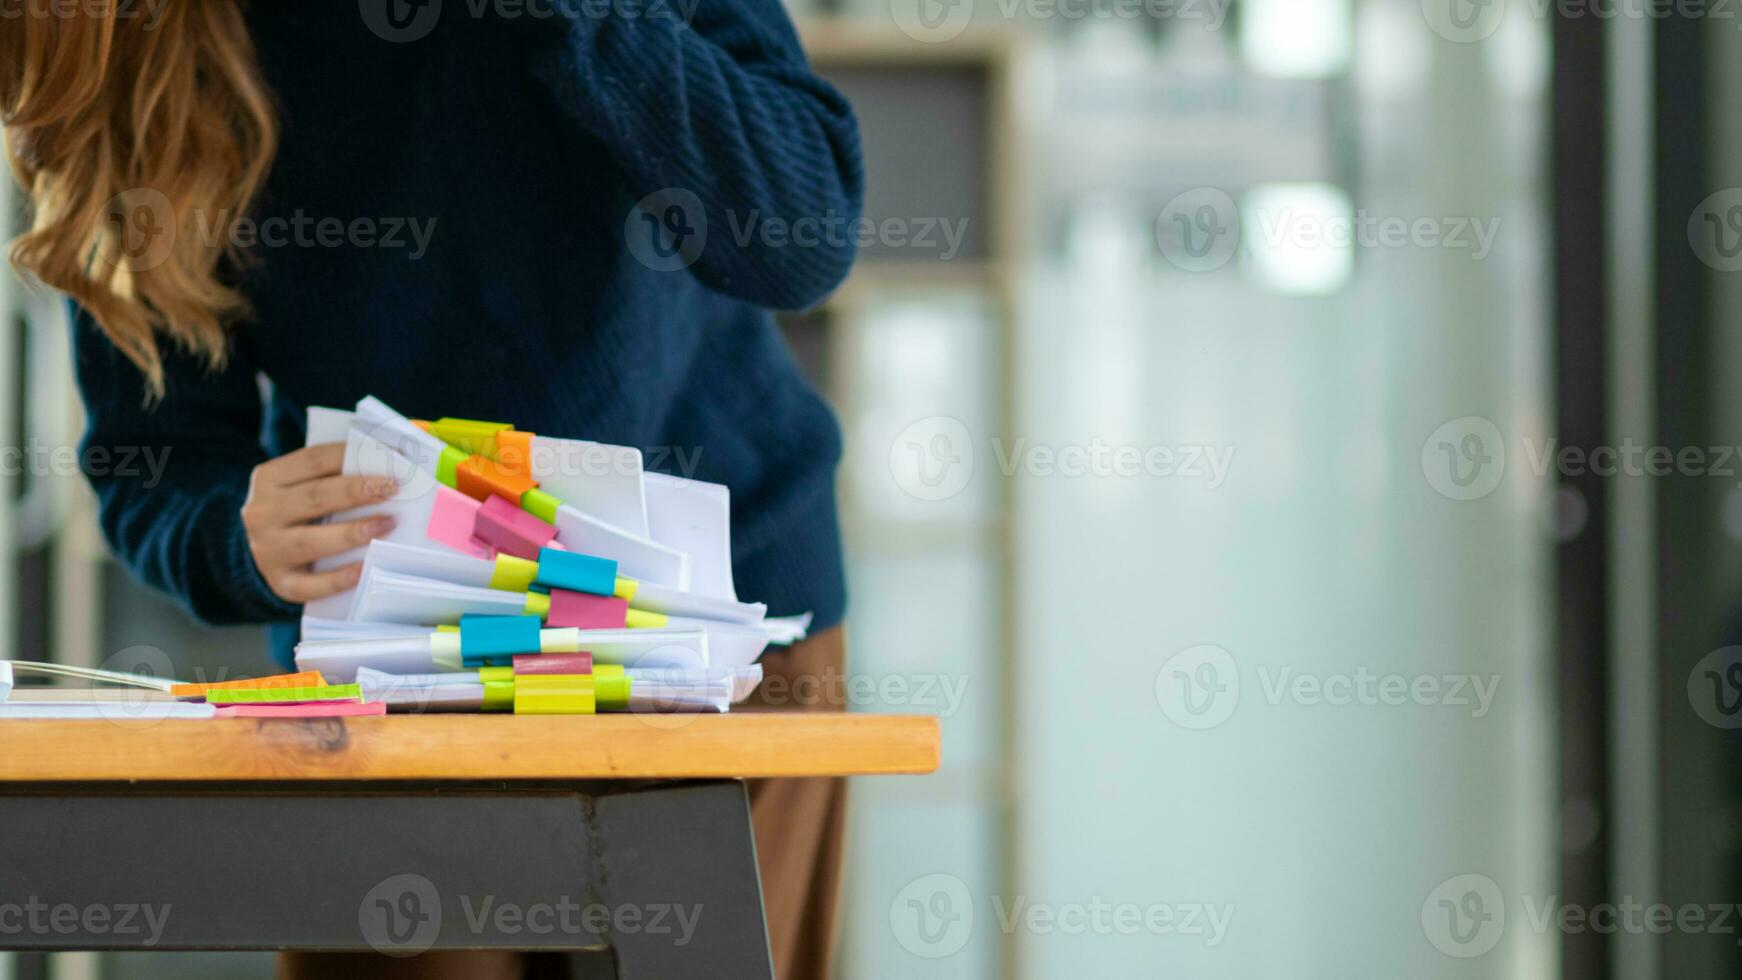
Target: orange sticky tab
pixel 514 452
pixel 479 477
pixel 306 678
pixel 424 425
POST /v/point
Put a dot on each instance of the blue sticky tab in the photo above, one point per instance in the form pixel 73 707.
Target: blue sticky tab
pixel 493 640
pixel 576 572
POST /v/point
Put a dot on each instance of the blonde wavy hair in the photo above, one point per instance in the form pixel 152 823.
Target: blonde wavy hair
pixel 122 129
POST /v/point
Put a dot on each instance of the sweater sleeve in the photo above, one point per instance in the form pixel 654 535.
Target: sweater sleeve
pixel 724 115
pixel 171 478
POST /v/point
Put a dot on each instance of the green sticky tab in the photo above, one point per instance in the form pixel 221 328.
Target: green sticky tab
pixel 499 695
pixel 540 505
pixel 286 695
pixel 513 574
pixel 447 463
pixel 470 436
pixel 612 692
pixel 496 675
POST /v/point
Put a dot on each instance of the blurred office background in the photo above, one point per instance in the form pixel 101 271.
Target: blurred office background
pixel 1099 239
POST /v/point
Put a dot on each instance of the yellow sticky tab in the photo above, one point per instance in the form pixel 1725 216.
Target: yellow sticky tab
pixel 513 574
pixel 640 619
pixel 625 588
pixel 448 628
pixel 469 435
pixel 496 675
pixel 554 694
pixel 537 604
pixel 499 695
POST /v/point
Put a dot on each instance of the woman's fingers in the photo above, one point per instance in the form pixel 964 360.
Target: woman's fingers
pixel 285 495
pixel 307 463
pixel 315 499
pixel 305 544
pixel 305 587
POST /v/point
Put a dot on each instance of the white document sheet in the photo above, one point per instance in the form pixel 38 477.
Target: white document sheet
pixel 695 519
pixel 595 478
pixel 636 557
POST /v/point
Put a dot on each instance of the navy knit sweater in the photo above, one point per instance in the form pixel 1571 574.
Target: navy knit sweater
pixel 477 174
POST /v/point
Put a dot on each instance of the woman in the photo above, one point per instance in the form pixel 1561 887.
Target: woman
pixel 571 217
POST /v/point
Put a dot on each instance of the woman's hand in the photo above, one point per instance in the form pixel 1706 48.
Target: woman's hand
pixel 285 495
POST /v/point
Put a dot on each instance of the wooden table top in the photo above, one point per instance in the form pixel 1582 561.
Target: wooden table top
pixel 469 747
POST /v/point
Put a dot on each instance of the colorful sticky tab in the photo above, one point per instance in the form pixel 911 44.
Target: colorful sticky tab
pixel 585 611
pixel 625 588
pixel 498 696
pixel 286 695
pixel 611 687
pixel 196 692
pixel 469 435
pixel 330 709
pixel 452 517
pixel 448 465
pixel 554 694
pixel 488 640
pixel 640 619
pixel 514 451
pixel 537 604
pixel 553 663
pixel 513 574
pixel 576 572
pixel 504 526
pixel 540 504
pixel 480 476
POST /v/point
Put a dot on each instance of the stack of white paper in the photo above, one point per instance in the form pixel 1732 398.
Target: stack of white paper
pixel 670 535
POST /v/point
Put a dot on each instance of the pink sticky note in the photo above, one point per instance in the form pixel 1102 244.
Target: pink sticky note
pixel 502 525
pixel 452 519
pixel 554 663
pixel 589 612
pixel 311 710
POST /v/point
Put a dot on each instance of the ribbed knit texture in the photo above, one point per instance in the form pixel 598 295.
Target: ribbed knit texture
pixel 520 145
